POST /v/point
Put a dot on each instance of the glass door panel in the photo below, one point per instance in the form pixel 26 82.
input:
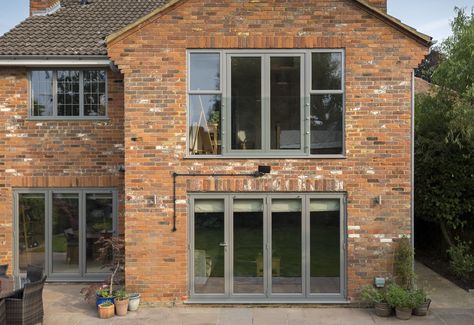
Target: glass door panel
pixel 285 102
pixel 209 246
pixel 248 255
pixel 286 246
pixel 65 233
pixel 31 230
pixel 246 102
pixel 99 224
pixel 325 247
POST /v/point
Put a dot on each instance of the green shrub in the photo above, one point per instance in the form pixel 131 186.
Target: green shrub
pixel 106 304
pixel 372 295
pixel 403 264
pixel 462 261
pixel 121 294
pixel 103 293
pixel 419 297
pixel 399 297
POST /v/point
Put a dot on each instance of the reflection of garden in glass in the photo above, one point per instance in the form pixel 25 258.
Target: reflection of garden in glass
pixel 31 225
pixel 208 253
pixel 99 223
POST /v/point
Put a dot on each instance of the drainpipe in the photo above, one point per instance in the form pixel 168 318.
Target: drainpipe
pixel 412 173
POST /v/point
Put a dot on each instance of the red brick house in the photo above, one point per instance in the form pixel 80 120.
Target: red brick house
pixel 249 150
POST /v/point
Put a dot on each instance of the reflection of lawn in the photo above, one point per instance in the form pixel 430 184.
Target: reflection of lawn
pixel 248 244
pixel 59 243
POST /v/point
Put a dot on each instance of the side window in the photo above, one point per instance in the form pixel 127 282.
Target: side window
pixel 327 103
pixel 68 93
pixel 204 100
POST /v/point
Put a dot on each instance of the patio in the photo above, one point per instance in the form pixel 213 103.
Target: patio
pixel 451 305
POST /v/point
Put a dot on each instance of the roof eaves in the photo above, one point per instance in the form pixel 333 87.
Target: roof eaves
pixel 140 21
pixel 424 39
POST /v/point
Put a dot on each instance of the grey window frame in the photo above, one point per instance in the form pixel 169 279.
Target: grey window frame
pixel 306 85
pixel 306 296
pixel 55 115
pixel 82 275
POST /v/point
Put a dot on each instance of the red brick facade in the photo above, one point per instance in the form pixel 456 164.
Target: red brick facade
pixel 379 64
pixel 60 154
pixel 147 132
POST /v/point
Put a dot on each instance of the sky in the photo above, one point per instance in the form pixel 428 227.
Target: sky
pixel 431 17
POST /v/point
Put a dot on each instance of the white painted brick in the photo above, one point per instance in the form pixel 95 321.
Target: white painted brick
pixel 353 227
pixel 354 236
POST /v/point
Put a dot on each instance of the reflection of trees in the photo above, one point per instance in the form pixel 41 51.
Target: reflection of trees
pixel 327 71
pixel 326 111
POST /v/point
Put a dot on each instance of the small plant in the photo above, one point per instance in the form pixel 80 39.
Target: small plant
pixel 462 261
pixel 106 304
pixel 419 297
pixel 105 293
pixel 121 294
pixel 372 295
pixel 399 297
pixel 403 264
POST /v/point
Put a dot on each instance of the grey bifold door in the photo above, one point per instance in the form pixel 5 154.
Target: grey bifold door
pixel 59 231
pixel 267 247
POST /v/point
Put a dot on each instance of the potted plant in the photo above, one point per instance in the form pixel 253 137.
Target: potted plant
pixel 111 256
pixel 103 296
pixel 106 310
pixel 402 300
pixel 133 301
pixel 376 297
pixel 121 302
pixel 422 303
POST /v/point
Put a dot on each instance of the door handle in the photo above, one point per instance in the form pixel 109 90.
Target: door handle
pixel 223 244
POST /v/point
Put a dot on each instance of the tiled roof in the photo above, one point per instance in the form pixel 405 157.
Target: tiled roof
pixel 74 29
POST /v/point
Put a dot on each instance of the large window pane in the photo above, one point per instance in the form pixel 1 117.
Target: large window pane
pixel 286 246
pixel 285 114
pixel 325 247
pixel 68 93
pixel 204 71
pixel 248 246
pixel 99 224
pixel 31 227
pixel 326 124
pixel 327 71
pixel 208 246
pixel 42 93
pixel 205 124
pixel 94 93
pixel 246 103
pixel 65 233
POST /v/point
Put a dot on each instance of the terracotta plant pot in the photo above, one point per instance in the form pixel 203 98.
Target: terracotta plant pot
pixel 383 309
pixel 422 310
pixel 133 301
pixel 121 307
pixel 106 312
pixel 403 313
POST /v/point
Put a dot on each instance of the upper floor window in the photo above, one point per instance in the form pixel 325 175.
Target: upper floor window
pixel 266 103
pixel 68 93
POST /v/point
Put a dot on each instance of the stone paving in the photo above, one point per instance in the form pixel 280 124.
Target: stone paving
pixel 451 305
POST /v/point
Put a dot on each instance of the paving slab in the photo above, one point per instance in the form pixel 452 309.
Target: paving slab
pixel 451 306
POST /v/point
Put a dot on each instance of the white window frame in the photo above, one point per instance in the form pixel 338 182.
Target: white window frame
pixel 55 115
pixel 306 67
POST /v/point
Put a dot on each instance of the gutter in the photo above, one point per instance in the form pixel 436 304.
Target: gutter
pixel 54 61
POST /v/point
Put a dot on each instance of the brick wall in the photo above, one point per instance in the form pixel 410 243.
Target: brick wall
pixel 379 62
pixel 381 4
pixel 40 5
pixel 65 154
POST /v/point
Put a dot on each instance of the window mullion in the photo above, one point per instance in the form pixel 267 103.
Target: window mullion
pixel 55 93
pixel 81 93
pixel 266 93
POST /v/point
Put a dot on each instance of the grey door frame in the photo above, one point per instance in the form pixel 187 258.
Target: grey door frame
pixel 82 274
pixel 268 297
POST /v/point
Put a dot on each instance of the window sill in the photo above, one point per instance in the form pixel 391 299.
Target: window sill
pixel 61 118
pixel 248 157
